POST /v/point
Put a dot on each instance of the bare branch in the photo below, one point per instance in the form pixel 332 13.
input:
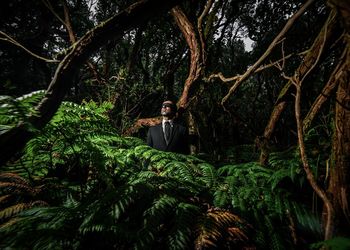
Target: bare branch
pixel 261 68
pixel 49 6
pixel 309 59
pixel 204 13
pixel 72 37
pixel 329 224
pixel 268 51
pixel 9 39
pixel 143 122
pixel 330 17
pixel 200 29
pixel 68 23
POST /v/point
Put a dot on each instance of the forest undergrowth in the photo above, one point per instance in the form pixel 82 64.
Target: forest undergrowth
pixel 80 185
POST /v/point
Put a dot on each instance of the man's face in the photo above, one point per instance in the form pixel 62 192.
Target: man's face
pixel 167 109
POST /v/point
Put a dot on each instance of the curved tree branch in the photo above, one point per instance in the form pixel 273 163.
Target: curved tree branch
pixel 200 27
pixel 196 63
pixel 261 68
pixel 309 175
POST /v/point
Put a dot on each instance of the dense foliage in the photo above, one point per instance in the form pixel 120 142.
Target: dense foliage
pixel 81 185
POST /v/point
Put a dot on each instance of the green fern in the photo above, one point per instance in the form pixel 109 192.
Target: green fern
pixel 13 110
pixel 256 193
pixel 130 195
pixel 17 195
pixel 337 243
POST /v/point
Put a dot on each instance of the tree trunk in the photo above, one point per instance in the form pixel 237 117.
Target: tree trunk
pixel 339 183
pixel 14 140
pixel 263 142
pixel 196 63
pixel 195 74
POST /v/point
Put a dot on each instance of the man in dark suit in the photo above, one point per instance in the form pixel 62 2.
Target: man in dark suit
pixel 168 135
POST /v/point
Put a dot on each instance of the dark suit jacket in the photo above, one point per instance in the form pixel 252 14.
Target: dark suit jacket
pixel 178 142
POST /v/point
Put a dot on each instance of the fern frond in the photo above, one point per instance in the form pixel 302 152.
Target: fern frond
pixel 208 174
pixel 160 209
pixel 184 222
pixel 275 243
pixel 339 243
pixel 31 98
pixel 154 219
pixel 4 198
pixel 11 177
pixel 12 210
pixel 221 196
pixel 14 109
pixel 217 226
pixel 16 188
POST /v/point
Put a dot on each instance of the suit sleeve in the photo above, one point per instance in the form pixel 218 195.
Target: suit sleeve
pixel 149 138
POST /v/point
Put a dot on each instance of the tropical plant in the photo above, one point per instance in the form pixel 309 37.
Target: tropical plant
pixel 258 194
pixel 14 110
pixel 116 192
pixel 17 195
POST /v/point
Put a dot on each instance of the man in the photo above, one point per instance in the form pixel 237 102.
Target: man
pixel 168 136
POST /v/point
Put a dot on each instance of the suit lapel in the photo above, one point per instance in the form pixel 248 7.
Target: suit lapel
pixel 173 132
pixel 161 133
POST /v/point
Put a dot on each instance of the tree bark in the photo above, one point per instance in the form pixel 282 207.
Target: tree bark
pixel 196 71
pixel 263 142
pixel 196 63
pixel 14 140
pixel 339 183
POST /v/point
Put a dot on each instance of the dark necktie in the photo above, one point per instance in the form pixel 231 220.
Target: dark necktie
pixel 167 131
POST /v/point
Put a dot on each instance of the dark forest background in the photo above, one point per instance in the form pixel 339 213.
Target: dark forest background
pixel 82 81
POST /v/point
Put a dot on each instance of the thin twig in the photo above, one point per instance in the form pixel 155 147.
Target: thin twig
pixel 261 68
pixel 14 42
pixel 49 6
